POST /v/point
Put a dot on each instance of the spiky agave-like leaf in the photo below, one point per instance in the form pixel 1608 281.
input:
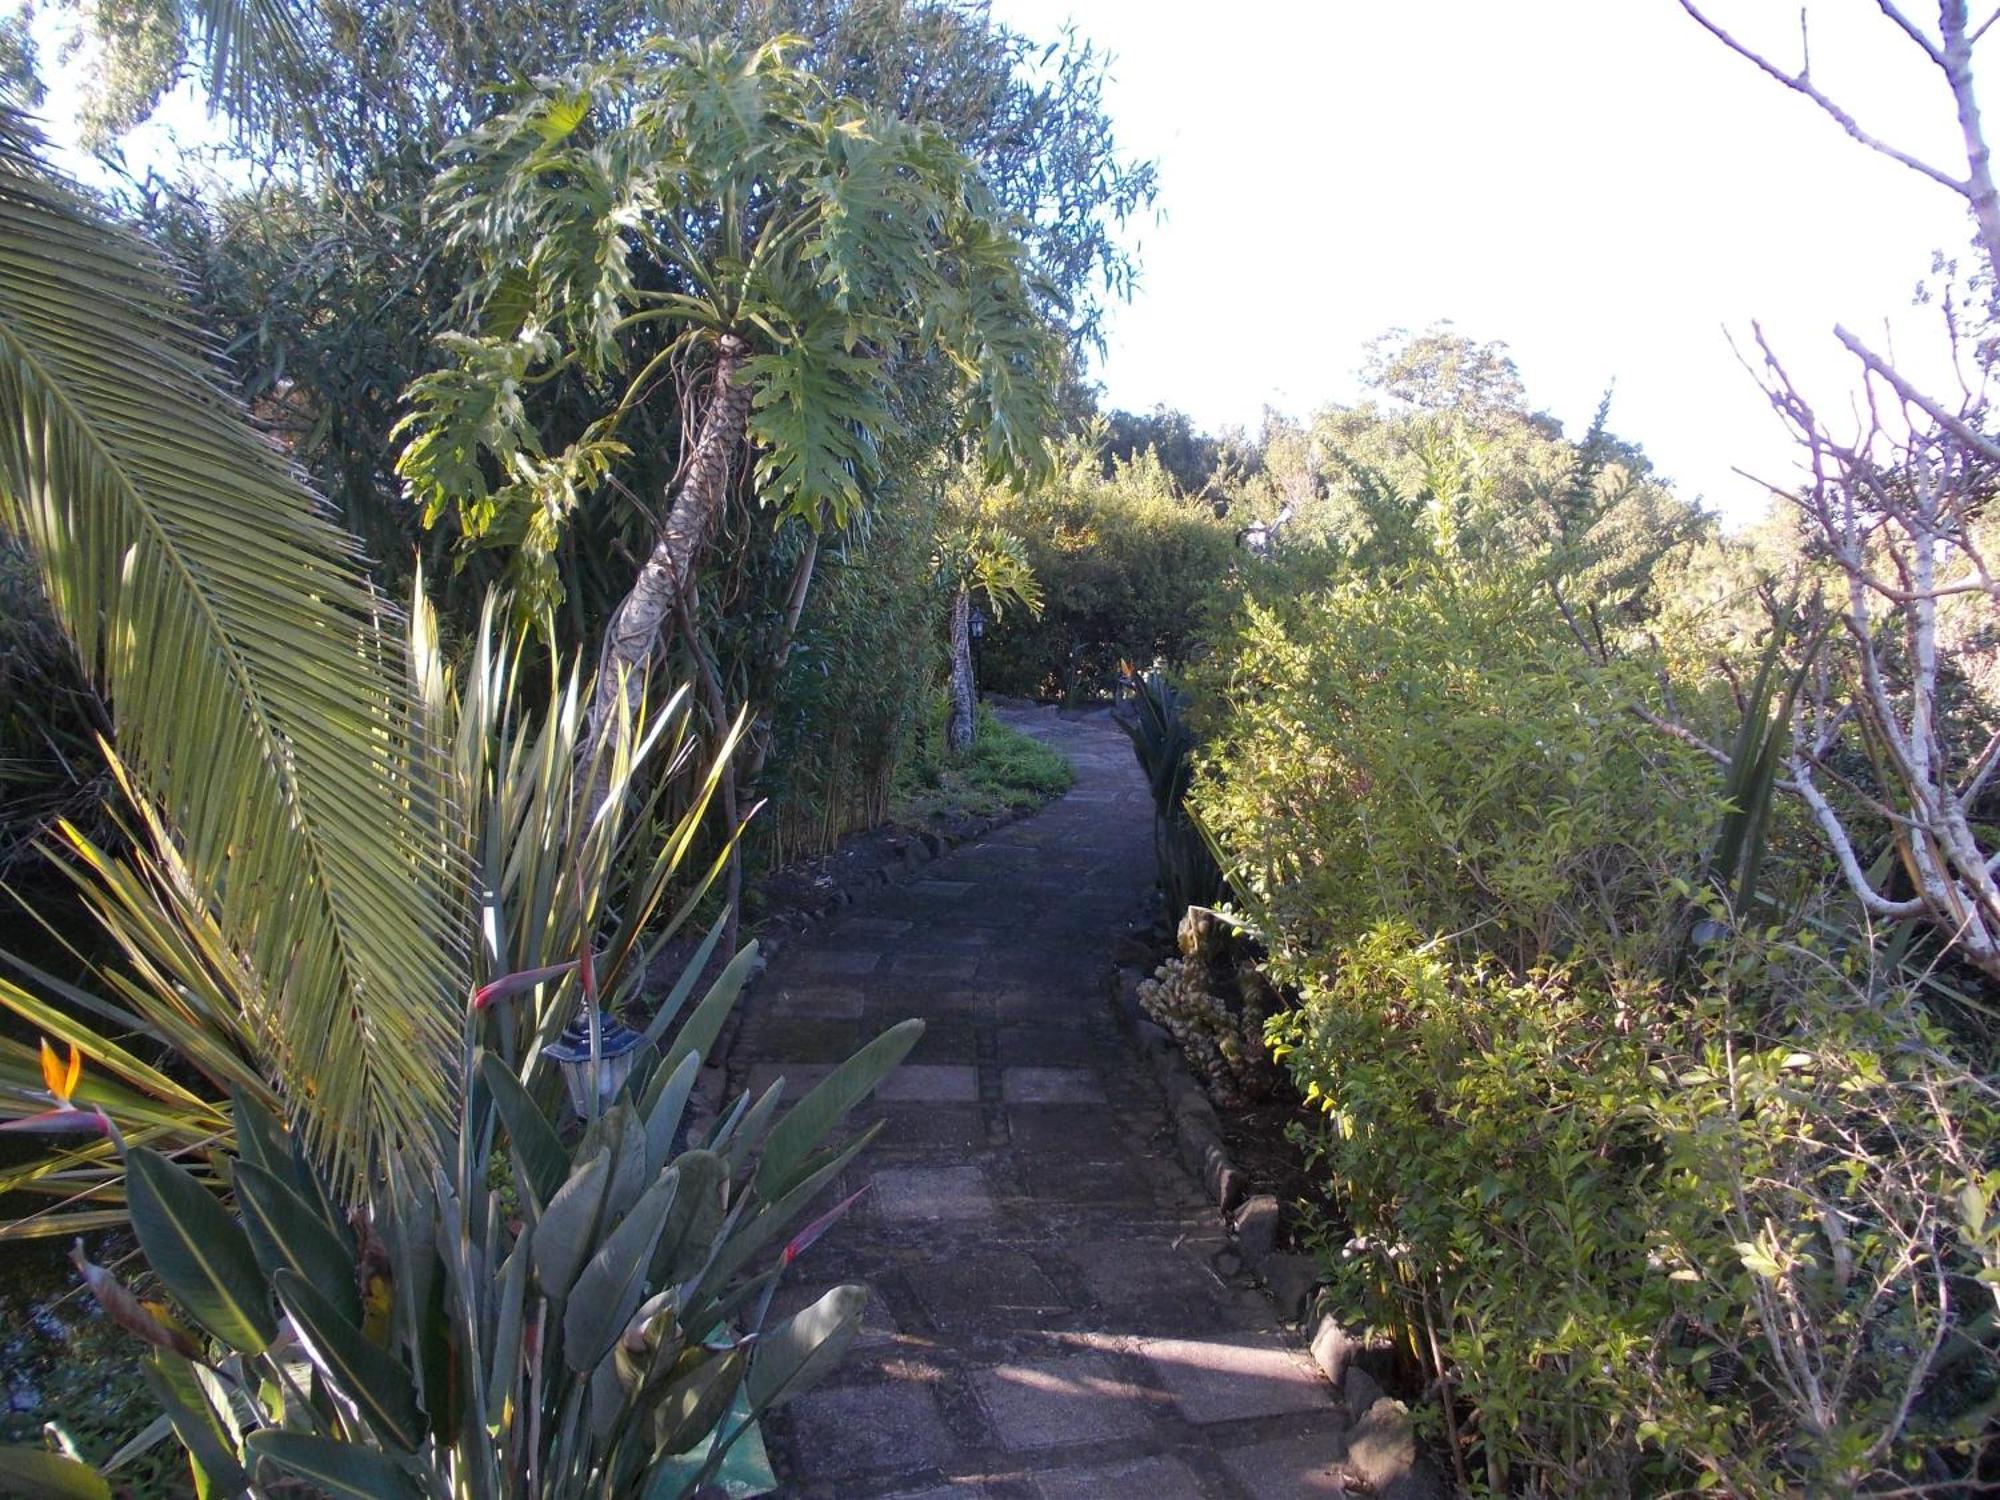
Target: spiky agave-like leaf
pixel 257 694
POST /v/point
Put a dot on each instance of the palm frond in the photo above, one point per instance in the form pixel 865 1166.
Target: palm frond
pixel 253 52
pixel 258 694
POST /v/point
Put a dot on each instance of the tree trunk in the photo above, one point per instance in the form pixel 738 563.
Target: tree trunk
pixel 958 731
pixel 718 713
pixel 634 632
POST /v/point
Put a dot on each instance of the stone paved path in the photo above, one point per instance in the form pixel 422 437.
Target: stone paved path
pixel 1045 1319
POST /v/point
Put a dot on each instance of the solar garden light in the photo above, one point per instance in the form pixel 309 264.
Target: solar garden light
pixel 595 1043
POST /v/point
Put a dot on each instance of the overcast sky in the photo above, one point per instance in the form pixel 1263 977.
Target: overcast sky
pixel 1596 182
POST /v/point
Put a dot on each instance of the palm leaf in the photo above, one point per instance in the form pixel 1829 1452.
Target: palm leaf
pixel 252 54
pixel 257 695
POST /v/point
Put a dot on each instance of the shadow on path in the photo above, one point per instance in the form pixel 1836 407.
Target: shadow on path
pixel 1044 1320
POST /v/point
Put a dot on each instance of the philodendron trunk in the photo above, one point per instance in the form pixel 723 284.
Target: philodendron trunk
pixel 634 632
pixel 958 731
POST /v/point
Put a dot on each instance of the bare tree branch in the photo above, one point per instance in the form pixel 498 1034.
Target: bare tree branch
pixel 1799 83
pixel 1893 505
pixel 1973 439
pixel 1911 30
pixel 1957 65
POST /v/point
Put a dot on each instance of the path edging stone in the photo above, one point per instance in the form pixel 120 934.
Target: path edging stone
pixel 1382 1447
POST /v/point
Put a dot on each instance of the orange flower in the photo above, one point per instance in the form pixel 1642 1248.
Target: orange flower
pixel 61 1079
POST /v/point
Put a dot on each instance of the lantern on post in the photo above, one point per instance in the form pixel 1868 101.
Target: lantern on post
pixel 595 1044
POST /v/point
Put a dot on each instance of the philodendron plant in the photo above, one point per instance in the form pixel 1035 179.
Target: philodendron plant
pixel 585 1319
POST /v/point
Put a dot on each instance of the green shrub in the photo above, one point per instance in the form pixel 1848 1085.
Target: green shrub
pixel 1718 1241
pixel 850 702
pixel 1433 749
pixel 1652 1219
pixel 1131 571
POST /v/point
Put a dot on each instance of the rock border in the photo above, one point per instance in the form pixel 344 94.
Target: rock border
pixel 1381 1446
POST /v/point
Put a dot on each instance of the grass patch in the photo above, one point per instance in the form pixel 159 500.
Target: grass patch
pixel 1005 771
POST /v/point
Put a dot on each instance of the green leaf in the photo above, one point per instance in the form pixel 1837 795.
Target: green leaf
pixel 744 1136
pixel 625 1134
pixel 690 1407
pixel 173 1384
pixel 232 626
pixel 566 1234
pixel 559 118
pixel 37 1474
pixel 676 997
pixel 697 1037
pixel 378 1386
pixel 698 1212
pixel 799 1355
pixel 286 1233
pixel 814 413
pixel 817 1114
pixel 1756 1258
pixel 614 1283
pixel 538 1150
pixel 504 1374
pixel 199 1253
pixel 339 1471
pixel 260 1138
pixel 663 1117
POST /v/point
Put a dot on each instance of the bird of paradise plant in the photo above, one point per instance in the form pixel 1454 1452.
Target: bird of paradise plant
pixel 629 1339
pixel 548 882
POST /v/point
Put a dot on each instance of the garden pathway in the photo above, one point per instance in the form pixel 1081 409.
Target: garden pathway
pixel 1045 1318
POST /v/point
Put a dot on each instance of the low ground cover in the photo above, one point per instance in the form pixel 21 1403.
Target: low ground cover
pixel 1005 771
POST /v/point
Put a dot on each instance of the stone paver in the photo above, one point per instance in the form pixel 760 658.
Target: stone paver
pixel 1222 1379
pixel 1149 1478
pixel 857 1428
pixel 930 1083
pixel 1047 1403
pixel 1046 1319
pixel 932 1193
pixel 1287 1468
pixel 1051 1086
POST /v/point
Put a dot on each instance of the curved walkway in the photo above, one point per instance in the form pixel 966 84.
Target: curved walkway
pixel 1045 1319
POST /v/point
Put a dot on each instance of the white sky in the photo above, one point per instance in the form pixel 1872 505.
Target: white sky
pixel 1597 182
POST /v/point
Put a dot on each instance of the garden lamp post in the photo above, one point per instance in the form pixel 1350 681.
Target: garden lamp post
pixel 595 1042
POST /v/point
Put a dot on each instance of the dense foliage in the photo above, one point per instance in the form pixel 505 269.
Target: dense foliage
pixel 354 796
pixel 1433 748
pixel 354 114
pixel 1133 571
pixel 1660 1172
pixel 1618 895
